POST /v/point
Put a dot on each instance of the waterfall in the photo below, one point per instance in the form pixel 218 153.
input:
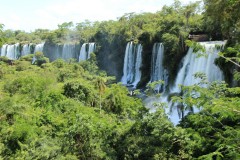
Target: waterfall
pixel 12 51
pixel 191 64
pixel 86 50
pixel 138 64
pixel 157 70
pixel 204 64
pixel 83 53
pixel 68 51
pixel 39 47
pixel 127 65
pixel 91 49
pixel 26 49
pixel 132 64
pixel 4 50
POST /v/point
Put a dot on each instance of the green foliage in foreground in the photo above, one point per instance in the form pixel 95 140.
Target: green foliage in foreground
pixel 72 110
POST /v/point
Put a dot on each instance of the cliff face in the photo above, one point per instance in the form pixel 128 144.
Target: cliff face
pixel 198 37
pixel 64 51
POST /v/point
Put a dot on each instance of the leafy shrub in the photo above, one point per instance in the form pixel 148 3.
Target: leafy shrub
pixel 4 59
pixel 40 59
pixel 22 65
pixel 28 58
pixel 80 91
pixel 32 85
pixel 59 63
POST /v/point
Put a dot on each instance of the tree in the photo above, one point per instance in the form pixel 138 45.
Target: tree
pixel 223 15
pixel 1 35
pixel 100 86
pixel 65 25
pixel 189 10
pixel 86 30
pixel 39 59
pixel 80 91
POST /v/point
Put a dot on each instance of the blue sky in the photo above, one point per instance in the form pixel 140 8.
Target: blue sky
pixel 29 15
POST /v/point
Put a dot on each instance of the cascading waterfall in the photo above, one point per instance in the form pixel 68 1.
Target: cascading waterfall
pixel 26 49
pixel 128 64
pixel 39 47
pixel 85 52
pixel 205 64
pixel 68 51
pixel 132 64
pixel 191 64
pixel 157 70
pixel 138 64
pixel 65 51
pixel 91 49
pixel 12 51
pixel 4 50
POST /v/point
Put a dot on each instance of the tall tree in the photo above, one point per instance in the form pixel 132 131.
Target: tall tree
pixel 222 16
pixel 100 86
pixel 190 10
pixel 1 34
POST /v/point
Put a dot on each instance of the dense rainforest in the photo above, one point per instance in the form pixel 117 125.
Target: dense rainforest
pixel 56 109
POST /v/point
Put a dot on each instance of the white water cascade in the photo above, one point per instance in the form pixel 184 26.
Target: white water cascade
pixel 86 50
pixel 11 51
pixel 138 64
pixel 91 49
pixel 157 70
pixel 14 51
pixel 26 49
pixel 39 47
pixel 132 64
pixel 191 64
pixel 83 53
pixel 68 51
pixel 4 50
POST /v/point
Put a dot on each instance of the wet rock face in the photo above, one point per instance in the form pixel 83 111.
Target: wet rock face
pixel 198 37
pixel 63 51
pixel 52 51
